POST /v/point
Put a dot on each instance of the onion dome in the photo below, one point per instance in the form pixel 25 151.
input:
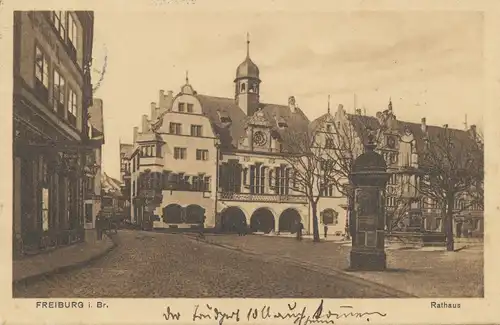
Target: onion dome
pixel 247 69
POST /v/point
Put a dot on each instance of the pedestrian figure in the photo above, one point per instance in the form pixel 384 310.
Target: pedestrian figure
pixel 300 226
pixel 202 228
pixel 99 225
pixel 326 230
pixel 241 229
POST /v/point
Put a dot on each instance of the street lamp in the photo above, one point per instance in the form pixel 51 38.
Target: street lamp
pixel 217 144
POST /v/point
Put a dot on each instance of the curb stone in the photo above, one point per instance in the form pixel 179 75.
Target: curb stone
pixel 320 269
pixel 66 268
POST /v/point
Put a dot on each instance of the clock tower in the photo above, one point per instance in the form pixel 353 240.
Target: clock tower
pixel 258 133
pixel 247 84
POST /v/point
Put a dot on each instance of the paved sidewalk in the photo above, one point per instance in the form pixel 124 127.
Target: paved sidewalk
pixel 330 237
pixel 416 272
pixel 61 259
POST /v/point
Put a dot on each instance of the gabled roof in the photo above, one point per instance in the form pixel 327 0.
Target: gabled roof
pixel 126 148
pixel 229 133
pixel 361 123
pixel 110 184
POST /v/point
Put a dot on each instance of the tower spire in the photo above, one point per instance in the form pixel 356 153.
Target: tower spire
pixel 465 122
pixel 328 104
pixel 248 45
pixel 390 104
pixel 187 77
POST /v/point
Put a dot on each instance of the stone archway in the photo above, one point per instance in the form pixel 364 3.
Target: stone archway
pixel 173 213
pixel 195 214
pixel 262 220
pixel 289 220
pixel 232 219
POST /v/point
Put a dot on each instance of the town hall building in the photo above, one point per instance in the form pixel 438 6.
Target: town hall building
pixel 221 162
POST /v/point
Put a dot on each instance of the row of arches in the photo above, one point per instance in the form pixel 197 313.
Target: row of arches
pixel 174 213
pixel 262 220
pixel 233 218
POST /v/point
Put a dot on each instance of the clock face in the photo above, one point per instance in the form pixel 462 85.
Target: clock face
pixel 259 138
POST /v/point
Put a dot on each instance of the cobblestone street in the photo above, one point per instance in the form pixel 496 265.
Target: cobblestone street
pixel 147 265
pixel 417 272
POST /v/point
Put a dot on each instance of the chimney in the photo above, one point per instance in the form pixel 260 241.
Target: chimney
pixel 161 100
pixel 291 104
pixel 445 126
pixel 424 125
pixel 168 100
pixel 153 111
pixel 144 123
pixel 358 111
pixel 136 132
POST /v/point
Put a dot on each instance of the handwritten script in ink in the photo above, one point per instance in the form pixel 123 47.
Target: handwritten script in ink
pixel 295 314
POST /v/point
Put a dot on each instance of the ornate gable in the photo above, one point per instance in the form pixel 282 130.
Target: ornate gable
pixel 258 134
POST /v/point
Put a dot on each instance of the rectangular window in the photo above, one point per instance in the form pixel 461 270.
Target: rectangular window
pixel 190 108
pixel 181 107
pixel 206 184
pixel 175 128
pixel 438 224
pixel 196 130
pixel 45 209
pixel 180 153
pixel 328 191
pixel 72 35
pixel 201 154
pixel 257 179
pixel 72 107
pixel 41 74
pixel 282 175
pixel 477 225
pixel 58 91
pixel 59 21
pixel 195 186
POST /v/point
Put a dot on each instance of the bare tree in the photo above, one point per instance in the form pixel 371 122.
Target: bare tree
pixel 312 170
pixel 399 207
pixel 450 161
pixel 345 144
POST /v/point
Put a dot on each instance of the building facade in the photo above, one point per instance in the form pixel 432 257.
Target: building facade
pixel 93 199
pixel 221 161
pixel 218 161
pixel 51 96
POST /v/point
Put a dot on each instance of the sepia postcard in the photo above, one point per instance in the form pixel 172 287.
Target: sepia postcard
pixel 249 162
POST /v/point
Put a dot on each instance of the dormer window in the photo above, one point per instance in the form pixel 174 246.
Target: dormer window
pixel 282 124
pixel 224 117
pixel 190 108
pixel 181 107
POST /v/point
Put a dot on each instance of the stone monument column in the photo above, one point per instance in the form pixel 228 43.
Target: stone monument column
pixel 369 178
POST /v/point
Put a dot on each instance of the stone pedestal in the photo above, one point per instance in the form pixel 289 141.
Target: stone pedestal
pixel 368 261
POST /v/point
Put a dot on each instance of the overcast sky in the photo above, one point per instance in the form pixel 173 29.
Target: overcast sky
pixel 430 63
